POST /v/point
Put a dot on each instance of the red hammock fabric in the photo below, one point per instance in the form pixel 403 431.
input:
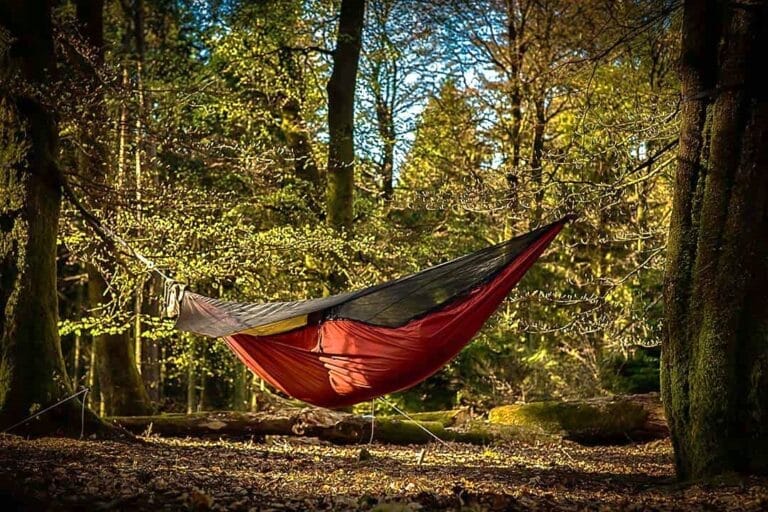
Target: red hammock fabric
pixel 340 362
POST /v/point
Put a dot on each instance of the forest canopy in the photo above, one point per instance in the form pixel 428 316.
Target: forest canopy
pixel 177 168
pixel 472 123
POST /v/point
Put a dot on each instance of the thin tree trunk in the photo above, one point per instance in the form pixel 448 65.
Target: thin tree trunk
pixel 191 383
pixel 537 154
pixel 297 138
pixel 240 391
pixel 386 125
pixel 138 26
pixel 715 351
pixel 341 110
pixel 515 58
pixel 137 340
pixel 122 136
pixel 147 350
pixel 94 397
pixel 78 342
pixel 202 403
pixel 293 126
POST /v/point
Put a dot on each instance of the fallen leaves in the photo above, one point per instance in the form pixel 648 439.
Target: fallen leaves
pixel 286 475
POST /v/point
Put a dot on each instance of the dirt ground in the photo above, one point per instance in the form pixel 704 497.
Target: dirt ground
pixel 295 474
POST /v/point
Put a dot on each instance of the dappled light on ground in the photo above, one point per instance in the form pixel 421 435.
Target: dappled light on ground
pixel 290 474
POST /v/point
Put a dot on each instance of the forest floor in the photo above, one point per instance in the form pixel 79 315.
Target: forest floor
pixel 298 474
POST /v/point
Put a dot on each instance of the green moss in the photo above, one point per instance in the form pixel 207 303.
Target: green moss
pixel 584 421
pixel 445 418
pixel 395 431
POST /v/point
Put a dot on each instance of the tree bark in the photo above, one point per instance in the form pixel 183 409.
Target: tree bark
pixel 715 351
pixel 122 389
pixel 32 372
pixel 293 126
pixel 298 142
pixel 341 113
pixel 621 419
pixel 331 426
pixel 385 120
pixel 120 384
pixel 537 156
pixel 515 58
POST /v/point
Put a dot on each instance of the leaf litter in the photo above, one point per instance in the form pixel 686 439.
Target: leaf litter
pixel 287 474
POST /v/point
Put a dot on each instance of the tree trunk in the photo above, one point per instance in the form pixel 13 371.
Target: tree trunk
pixel 77 349
pixel 32 372
pixel 385 120
pixel 537 155
pixel 141 111
pixel 341 110
pixel 94 397
pixel 715 352
pixel 297 139
pixel 240 389
pixel 121 387
pixel 515 58
pixel 191 384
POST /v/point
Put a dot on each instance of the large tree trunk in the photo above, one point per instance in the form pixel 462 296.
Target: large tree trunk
pixel 341 113
pixel 32 372
pixel 121 386
pixel 599 421
pixel 715 352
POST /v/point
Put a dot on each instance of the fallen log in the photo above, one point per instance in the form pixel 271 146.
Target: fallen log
pixel 332 426
pixel 597 421
pixel 451 418
pixel 622 419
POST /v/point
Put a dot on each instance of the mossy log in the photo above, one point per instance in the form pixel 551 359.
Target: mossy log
pixel 595 421
pixel 332 426
pixel 451 418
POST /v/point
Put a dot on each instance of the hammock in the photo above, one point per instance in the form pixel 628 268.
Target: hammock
pixel 349 348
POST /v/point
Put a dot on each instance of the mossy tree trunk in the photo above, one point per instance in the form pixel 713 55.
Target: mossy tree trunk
pixel 32 372
pixel 341 113
pixel 122 389
pixel 121 386
pixel 293 126
pixel 715 352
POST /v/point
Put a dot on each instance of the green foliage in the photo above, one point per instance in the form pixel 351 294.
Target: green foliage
pixel 226 202
pixel 635 373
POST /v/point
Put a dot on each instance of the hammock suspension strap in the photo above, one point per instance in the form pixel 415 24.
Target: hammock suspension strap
pixel 172 291
pixel 413 420
pixel 83 392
